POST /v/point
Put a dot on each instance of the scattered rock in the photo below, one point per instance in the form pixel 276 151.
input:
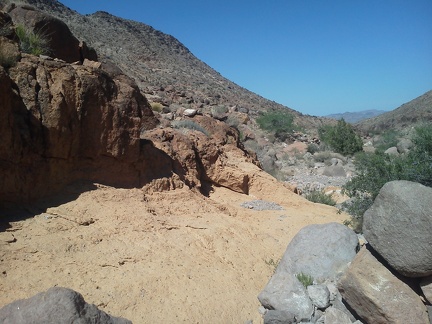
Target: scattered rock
pixel 377 295
pixel 320 295
pixel 334 171
pixel 392 151
pixel 56 305
pixel 334 315
pixel 399 225
pixel 261 205
pixel 404 145
pixel 189 112
pixel 279 317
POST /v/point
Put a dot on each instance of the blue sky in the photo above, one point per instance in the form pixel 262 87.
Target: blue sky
pixel 317 57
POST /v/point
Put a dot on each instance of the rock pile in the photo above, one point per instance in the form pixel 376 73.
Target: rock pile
pixel 388 281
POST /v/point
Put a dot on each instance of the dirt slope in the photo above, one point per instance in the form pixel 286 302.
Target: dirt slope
pixel 169 257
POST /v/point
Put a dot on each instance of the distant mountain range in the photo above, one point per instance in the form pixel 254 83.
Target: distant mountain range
pixel 354 117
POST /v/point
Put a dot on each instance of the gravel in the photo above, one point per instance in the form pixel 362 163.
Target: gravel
pixel 261 205
pixel 310 182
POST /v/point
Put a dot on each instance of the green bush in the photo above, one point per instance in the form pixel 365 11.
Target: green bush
pixel 156 106
pixel 305 279
pixel 341 138
pixel 313 148
pixel 279 123
pixel 386 140
pixel 32 42
pixel 320 197
pixel 373 170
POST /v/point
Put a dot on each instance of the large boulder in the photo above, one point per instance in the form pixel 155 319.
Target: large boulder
pixel 377 295
pixel 285 293
pixel 399 227
pixel 56 305
pixel 320 251
pixel 61 42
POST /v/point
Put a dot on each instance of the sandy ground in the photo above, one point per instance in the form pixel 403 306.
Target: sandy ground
pixel 171 257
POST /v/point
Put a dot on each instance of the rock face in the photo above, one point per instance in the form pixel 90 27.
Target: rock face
pixel 56 305
pixel 399 227
pixel 377 295
pixel 67 122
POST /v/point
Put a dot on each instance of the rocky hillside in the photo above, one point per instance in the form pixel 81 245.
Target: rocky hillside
pixel 163 68
pixel 418 110
pixel 354 117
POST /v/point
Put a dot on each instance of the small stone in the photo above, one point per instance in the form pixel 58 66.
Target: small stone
pixel 320 295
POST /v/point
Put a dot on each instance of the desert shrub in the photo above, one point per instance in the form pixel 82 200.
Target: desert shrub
pixel 313 148
pixel 279 123
pixel 373 170
pixel 232 121
pixel 341 138
pixel 305 279
pixel 319 196
pixel 274 264
pixel 156 106
pixel 189 124
pixel 32 42
pixel 388 138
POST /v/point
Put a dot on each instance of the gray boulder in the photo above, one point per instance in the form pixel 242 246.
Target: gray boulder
pixel 56 305
pixel 404 145
pixel 335 316
pixel 334 171
pixel 377 295
pixel 279 317
pixel 322 251
pixel 399 227
pixel 285 293
pixel 392 151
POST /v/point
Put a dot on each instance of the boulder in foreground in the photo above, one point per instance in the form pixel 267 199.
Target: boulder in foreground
pixel 399 226
pixel 377 295
pixel 56 305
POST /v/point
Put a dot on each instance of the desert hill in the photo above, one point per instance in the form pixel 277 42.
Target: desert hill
pixel 417 111
pixel 163 68
pixel 357 116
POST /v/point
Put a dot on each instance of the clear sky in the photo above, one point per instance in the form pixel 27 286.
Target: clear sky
pixel 317 57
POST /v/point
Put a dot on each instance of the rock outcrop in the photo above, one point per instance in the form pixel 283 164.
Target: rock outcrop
pixel 65 122
pixel 56 305
pixel 88 121
pixel 399 225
